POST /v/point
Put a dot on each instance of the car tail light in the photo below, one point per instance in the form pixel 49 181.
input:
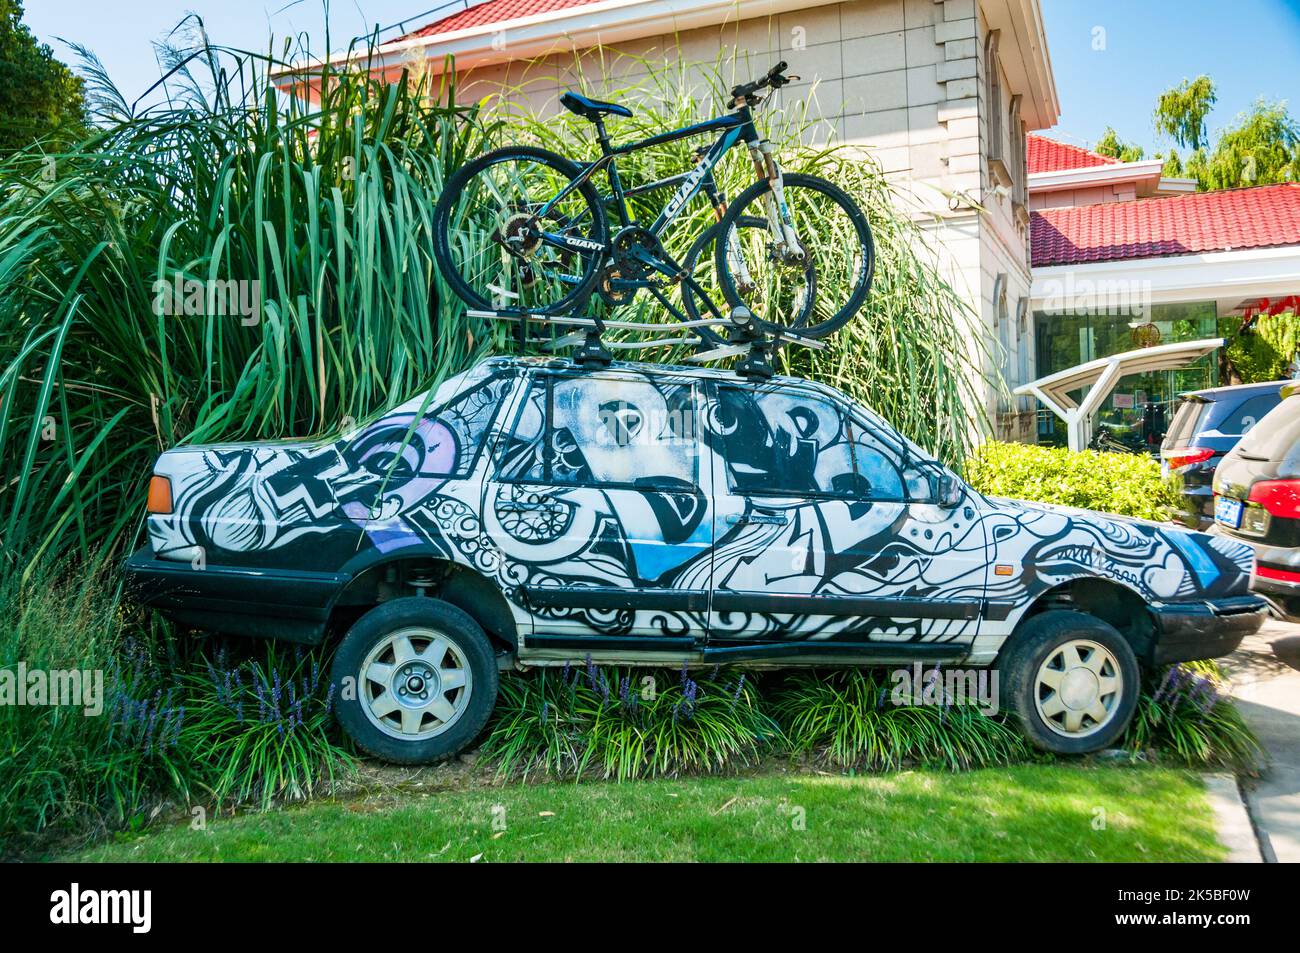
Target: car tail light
pixel 1279 497
pixel 1185 458
pixel 160 495
pixel 1282 575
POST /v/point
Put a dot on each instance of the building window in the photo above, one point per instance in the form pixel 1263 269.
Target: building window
pixel 1019 171
pixel 993 90
pixel 1137 410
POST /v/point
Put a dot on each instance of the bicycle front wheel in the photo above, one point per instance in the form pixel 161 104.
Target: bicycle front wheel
pixel 798 293
pixel 508 238
pixel 819 230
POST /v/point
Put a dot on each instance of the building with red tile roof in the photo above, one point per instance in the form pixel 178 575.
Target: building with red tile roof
pixel 1126 257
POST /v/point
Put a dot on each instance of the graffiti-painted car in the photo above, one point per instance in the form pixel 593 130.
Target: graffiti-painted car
pixel 532 513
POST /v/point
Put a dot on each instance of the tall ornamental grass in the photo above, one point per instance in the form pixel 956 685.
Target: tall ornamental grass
pixel 307 228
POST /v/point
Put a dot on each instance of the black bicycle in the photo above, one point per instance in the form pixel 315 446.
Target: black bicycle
pixel 523 230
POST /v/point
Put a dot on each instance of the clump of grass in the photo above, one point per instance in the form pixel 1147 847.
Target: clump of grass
pixel 1183 716
pixel 317 213
pixel 264 726
pixel 850 719
pixel 101 760
pixel 627 723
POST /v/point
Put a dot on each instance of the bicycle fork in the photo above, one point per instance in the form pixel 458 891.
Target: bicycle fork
pixel 779 220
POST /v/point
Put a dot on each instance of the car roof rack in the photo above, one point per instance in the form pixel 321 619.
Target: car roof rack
pixel 745 340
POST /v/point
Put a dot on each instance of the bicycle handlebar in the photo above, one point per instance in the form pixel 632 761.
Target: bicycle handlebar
pixel 775 78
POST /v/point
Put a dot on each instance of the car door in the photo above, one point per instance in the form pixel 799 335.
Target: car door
pixel 826 527
pixel 597 506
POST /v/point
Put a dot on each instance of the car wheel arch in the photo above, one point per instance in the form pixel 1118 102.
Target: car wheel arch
pixel 1109 600
pixel 426 569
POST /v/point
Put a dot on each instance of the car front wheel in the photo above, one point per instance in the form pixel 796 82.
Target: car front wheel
pixel 415 679
pixel 1071 680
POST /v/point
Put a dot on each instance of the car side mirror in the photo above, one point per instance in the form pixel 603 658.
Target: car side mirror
pixel 948 491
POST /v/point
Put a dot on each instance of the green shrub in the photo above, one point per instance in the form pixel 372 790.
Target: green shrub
pixel 626 723
pixel 1183 715
pixel 850 718
pixel 1121 483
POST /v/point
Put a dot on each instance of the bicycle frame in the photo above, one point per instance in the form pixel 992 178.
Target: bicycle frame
pixel 735 127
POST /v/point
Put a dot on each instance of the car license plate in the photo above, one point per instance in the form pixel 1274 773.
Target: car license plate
pixel 1228 512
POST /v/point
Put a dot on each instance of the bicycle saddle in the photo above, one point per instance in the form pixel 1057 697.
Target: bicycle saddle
pixel 591 109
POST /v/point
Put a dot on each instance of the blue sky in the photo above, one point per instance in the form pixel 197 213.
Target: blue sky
pixel 122 33
pixel 1250 47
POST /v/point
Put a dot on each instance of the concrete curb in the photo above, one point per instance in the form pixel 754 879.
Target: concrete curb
pixel 1236 832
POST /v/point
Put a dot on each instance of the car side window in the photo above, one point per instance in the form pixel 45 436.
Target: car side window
pixel 784 442
pixel 521 455
pixel 880 475
pixel 468 417
pixel 1248 413
pixel 605 431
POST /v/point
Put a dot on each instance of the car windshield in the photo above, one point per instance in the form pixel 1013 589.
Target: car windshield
pixel 1277 434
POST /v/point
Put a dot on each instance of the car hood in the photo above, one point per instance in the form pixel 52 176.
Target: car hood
pixel 1160 561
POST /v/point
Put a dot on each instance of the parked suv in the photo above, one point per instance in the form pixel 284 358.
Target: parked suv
pixel 1206 425
pixel 533 513
pixel 1257 499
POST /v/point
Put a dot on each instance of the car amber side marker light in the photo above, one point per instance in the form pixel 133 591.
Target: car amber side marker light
pixel 160 495
pixel 1003 570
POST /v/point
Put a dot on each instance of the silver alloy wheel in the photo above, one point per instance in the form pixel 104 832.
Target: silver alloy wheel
pixel 1078 688
pixel 415 683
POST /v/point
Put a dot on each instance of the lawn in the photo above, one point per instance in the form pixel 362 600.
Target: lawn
pixel 1026 813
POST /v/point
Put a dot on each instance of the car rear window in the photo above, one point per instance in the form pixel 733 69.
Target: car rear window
pixel 1242 418
pixel 1276 434
pixel 1183 427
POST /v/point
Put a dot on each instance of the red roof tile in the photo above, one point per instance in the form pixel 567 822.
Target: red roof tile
pixel 1183 225
pixel 492 11
pixel 1048 155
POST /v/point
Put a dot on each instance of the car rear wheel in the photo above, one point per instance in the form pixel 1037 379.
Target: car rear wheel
pixel 1071 680
pixel 415 679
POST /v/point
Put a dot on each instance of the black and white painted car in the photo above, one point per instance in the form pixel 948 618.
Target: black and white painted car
pixel 529 513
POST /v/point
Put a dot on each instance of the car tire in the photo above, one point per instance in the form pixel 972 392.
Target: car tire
pixel 415 681
pixel 1071 680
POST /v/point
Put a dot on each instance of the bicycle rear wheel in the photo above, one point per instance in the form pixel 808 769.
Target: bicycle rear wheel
pixel 502 248
pixel 755 272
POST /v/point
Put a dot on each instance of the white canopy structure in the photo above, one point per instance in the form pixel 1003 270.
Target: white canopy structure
pixel 1103 374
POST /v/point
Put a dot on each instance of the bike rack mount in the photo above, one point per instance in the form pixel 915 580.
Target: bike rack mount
pixel 745 339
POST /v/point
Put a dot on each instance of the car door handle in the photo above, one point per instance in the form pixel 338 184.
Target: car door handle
pixel 519 507
pixel 770 519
